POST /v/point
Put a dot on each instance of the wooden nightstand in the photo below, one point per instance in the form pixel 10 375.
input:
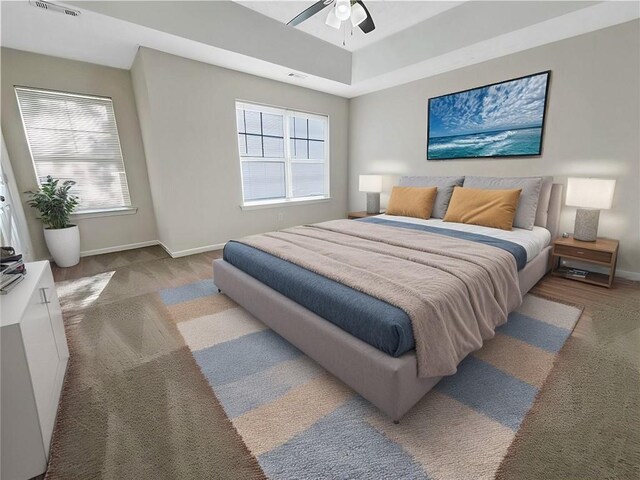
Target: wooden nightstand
pixel 354 215
pixel 603 252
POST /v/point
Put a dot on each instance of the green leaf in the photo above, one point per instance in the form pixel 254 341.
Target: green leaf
pixel 54 203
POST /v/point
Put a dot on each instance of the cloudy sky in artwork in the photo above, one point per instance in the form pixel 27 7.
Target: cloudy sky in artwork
pixel 505 106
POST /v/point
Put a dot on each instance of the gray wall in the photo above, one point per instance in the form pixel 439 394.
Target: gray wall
pixel 592 126
pixel 28 69
pixel 187 116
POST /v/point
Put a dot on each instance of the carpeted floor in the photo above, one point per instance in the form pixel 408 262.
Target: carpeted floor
pixel 136 406
pixel 586 422
pixel 302 423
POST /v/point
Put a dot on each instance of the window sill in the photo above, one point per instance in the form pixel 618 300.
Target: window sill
pixel 108 212
pixel 283 203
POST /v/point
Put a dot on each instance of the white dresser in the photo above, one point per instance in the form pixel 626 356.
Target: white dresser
pixel 34 355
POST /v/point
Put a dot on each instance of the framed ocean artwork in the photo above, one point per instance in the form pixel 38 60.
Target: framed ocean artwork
pixel 503 119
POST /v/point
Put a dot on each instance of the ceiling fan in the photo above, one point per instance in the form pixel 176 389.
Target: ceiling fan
pixel 341 10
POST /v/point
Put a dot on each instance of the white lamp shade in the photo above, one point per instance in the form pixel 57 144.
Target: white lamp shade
pixel 590 193
pixel 371 183
pixel 332 20
pixel 358 14
pixel 343 9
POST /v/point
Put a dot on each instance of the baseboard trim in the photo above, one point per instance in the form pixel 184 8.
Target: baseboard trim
pixel 192 251
pixel 635 276
pixel 119 248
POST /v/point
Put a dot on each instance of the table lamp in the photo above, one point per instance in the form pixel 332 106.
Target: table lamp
pixel 372 185
pixel 590 195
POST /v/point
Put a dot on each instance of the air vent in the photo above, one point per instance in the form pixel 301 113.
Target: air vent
pixel 52 7
pixel 297 75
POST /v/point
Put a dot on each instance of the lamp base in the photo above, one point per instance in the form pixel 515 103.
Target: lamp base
pixel 373 203
pixel 586 227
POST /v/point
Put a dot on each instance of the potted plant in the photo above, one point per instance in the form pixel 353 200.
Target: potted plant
pixel 55 204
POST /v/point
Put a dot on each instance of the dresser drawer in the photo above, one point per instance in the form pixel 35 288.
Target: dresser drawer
pixel 577 252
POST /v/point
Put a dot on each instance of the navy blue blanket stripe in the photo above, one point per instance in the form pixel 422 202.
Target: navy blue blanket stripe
pixel 518 251
pixel 378 323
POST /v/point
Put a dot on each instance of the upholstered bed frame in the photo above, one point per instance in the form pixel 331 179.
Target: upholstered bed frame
pixel 390 383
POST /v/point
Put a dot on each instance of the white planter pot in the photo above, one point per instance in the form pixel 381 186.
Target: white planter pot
pixel 64 245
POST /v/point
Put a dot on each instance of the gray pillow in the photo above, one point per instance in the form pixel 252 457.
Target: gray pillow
pixel 445 187
pixel 543 203
pixel 528 204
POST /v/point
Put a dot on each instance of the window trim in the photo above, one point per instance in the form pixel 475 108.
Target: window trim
pixel 103 212
pixel 288 161
pixel 279 202
pixel 126 209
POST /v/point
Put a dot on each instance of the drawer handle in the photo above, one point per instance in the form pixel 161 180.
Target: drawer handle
pixel 579 252
pixel 45 299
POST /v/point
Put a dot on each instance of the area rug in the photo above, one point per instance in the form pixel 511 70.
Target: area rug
pixel 302 423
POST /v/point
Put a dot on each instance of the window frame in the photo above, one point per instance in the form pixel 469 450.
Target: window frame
pixel 88 212
pixel 288 160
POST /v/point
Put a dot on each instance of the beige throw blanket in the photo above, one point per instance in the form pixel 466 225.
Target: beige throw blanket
pixel 456 292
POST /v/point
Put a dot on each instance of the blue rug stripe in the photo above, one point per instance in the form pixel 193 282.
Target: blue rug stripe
pixel 341 446
pixel 230 361
pixel 264 387
pixel 535 332
pixel 184 293
pixel 490 391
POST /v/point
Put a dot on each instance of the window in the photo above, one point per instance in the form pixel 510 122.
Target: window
pixel 283 154
pixel 75 137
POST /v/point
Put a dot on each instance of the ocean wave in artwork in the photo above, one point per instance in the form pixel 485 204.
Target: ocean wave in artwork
pixel 503 143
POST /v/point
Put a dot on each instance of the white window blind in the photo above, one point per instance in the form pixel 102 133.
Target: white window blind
pixel 75 137
pixel 283 154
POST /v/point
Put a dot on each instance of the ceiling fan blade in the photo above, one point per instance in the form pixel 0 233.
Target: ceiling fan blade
pixel 308 13
pixel 368 25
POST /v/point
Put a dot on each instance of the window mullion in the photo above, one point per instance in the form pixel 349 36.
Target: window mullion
pixel 261 135
pixel 244 121
pixel 307 121
pixel 287 156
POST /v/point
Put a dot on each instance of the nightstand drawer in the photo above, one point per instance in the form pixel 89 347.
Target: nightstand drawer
pixel 576 252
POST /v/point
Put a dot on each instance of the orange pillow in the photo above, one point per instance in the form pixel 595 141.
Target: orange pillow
pixel 489 208
pixel 412 201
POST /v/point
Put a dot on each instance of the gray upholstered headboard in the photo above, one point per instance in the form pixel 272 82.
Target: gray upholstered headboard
pixel 555 206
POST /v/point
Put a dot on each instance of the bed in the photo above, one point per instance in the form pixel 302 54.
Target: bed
pixel 381 362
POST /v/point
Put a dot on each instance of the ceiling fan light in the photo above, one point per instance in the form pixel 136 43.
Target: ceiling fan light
pixel 343 9
pixel 358 15
pixel 332 20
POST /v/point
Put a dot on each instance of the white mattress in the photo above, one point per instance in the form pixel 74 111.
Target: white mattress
pixel 533 241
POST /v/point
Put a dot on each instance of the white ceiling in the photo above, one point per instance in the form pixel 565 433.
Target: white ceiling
pixel 389 17
pixel 408 46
